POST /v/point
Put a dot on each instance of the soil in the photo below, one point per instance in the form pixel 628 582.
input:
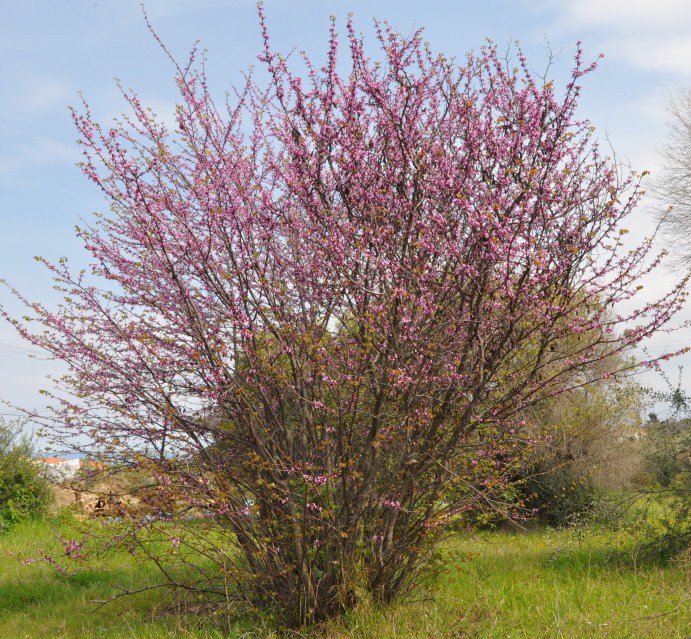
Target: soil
pixel 96 497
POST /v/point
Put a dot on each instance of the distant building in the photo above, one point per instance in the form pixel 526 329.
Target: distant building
pixel 59 469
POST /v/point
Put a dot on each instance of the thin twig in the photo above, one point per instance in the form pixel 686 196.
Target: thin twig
pixel 662 614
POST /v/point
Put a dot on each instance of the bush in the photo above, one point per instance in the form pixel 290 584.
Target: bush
pixel 23 491
pixel 668 464
pixel 668 458
pixel 329 303
pixel 588 443
pixel 558 493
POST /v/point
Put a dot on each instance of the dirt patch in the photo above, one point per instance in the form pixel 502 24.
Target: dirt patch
pixel 98 496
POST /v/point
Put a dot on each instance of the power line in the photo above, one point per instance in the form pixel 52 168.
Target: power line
pixel 23 350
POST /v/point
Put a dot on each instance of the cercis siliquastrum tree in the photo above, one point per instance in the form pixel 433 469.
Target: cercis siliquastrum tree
pixel 317 312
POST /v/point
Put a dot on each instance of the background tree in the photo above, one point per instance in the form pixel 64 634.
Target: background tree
pixel 588 446
pixel 335 297
pixel 673 186
pixel 24 492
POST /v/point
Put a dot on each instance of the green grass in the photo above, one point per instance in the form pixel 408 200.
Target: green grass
pixel 508 586
pixel 37 601
pixel 499 585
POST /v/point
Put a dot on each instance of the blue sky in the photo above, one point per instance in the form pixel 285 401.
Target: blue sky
pixel 51 51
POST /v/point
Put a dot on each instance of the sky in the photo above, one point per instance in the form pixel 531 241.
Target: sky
pixel 54 52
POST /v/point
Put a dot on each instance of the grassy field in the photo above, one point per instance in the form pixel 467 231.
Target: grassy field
pixel 499 585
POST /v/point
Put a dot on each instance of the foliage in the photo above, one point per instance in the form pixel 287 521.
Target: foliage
pixel 667 533
pixel 664 533
pixel 316 315
pixel 667 454
pixel 23 491
pixel 657 512
pixel 589 444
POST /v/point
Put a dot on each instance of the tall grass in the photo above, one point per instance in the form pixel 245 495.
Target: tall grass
pixel 498 585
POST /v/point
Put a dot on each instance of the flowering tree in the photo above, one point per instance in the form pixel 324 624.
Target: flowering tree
pixel 316 313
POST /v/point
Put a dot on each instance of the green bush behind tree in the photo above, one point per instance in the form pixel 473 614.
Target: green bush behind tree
pixel 667 521
pixel 24 492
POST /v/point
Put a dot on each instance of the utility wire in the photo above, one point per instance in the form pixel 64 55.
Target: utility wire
pixel 23 350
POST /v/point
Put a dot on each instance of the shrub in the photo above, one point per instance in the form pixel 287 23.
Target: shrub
pixel 318 310
pixel 23 491
pixel 668 462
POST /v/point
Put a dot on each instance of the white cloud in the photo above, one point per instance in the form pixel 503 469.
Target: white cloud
pixel 651 36
pixel 44 93
pixel 626 15
pixel 668 54
pixel 34 94
pixel 39 151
